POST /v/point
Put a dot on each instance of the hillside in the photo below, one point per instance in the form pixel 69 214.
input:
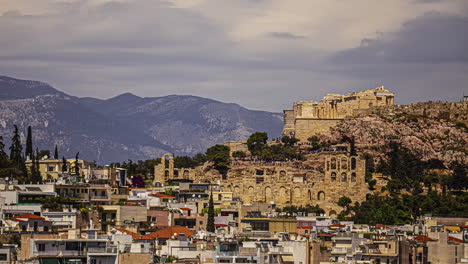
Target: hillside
pixel 429 130
pixel 126 126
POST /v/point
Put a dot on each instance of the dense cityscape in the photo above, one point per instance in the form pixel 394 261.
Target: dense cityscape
pixel 324 192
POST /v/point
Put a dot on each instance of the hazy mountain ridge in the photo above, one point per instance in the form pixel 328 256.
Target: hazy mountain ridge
pixel 126 126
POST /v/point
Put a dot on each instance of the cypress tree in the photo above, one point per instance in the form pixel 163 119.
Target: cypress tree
pixel 29 147
pixel 56 156
pixel 4 162
pixel 16 149
pixel 35 171
pixel 64 165
pixel 210 224
pixel 77 169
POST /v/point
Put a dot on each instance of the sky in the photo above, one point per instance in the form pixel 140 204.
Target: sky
pixel 261 54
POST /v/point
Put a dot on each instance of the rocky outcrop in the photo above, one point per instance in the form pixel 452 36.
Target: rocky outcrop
pixel 430 130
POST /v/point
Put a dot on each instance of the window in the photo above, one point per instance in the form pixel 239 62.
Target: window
pixel 344 178
pixel 71 246
pixel 333 176
pixel 41 247
pixel 3 257
pixel 50 168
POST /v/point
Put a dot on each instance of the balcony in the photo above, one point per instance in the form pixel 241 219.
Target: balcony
pixel 341 250
pixel 99 197
pixel 96 251
pixel 71 253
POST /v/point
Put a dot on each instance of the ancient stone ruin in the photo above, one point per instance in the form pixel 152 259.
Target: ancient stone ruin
pixel 309 117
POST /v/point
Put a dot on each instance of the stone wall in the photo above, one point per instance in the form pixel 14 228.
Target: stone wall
pixel 165 171
pixel 306 127
pixel 307 117
pixel 293 183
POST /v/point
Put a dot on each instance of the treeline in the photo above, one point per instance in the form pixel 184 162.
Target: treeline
pixel 414 188
pixel 219 156
pixel 14 167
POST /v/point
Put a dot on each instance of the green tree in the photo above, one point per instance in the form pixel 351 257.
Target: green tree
pixel 239 154
pixel 459 178
pixel 257 142
pixel 43 153
pixel 219 155
pixel 16 149
pixel 344 202
pixel 4 162
pixel 77 167
pixel 29 145
pixel 56 155
pixel 289 140
pixel 210 224
pixel 64 165
pixel 35 172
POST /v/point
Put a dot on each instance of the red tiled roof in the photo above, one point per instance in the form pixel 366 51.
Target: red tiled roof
pixel 421 239
pixel 162 195
pixel 455 239
pixel 185 209
pixel 133 234
pixel 168 232
pixel 27 216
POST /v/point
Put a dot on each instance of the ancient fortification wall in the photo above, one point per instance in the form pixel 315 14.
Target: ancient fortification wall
pixel 309 117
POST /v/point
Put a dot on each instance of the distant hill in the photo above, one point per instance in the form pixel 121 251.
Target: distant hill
pixel 126 126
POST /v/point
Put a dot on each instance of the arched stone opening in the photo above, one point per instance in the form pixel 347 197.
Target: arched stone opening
pixel 353 163
pixel 353 177
pixel 344 177
pixel 333 176
pixel 333 163
pixel 321 196
pixel 344 163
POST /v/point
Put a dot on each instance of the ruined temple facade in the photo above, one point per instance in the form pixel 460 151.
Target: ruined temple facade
pixel 165 171
pixel 285 183
pixel 309 117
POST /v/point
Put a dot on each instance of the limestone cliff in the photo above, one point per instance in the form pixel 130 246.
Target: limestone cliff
pixel 430 130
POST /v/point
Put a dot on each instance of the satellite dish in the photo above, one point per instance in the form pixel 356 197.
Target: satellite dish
pixel 2 187
pixel 10 187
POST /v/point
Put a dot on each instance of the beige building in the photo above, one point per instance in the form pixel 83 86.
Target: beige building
pixel 122 215
pixel 52 169
pixel 309 117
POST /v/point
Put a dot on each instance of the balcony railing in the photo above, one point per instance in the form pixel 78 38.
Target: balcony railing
pixel 99 197
pixel 111 250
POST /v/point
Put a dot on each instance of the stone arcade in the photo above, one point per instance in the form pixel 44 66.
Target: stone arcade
pixel 282 183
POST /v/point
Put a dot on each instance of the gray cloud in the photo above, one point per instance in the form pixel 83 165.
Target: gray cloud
pixel 150 48
pixel 426 60
pixel 432 38
pixel 285 35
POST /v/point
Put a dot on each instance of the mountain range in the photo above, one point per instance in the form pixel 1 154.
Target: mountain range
pixel 126 126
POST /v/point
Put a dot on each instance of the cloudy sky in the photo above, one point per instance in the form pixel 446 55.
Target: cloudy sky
pixel 262 54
